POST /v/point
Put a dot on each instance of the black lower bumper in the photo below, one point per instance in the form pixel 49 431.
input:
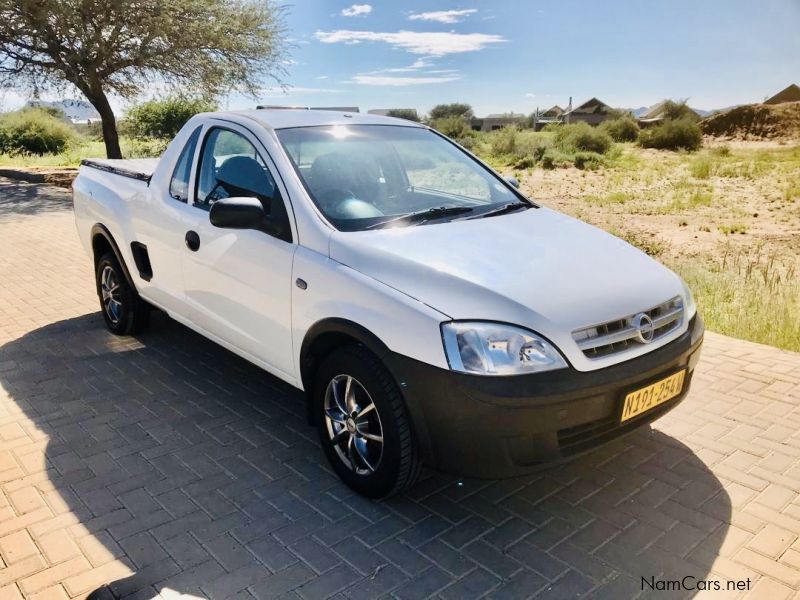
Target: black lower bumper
pixel 495 427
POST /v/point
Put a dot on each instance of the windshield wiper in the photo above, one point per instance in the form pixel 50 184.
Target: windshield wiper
pixel 506 208
pixel 421 216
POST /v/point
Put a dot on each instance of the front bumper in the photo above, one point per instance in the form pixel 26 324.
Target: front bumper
pixel 495 427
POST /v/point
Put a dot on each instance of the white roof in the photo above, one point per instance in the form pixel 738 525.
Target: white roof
pixel 285 118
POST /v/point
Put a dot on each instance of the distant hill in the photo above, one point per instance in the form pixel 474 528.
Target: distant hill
pixel 756 122
pixel 643 110
pixel 77 111
pixel 717 111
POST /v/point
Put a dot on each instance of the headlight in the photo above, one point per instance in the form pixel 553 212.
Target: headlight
pixel 690 307
pixel 496 349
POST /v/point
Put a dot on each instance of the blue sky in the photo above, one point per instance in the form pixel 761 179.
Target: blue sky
pixel 504 55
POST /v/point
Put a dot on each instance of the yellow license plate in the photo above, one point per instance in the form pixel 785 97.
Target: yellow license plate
pixel 651 396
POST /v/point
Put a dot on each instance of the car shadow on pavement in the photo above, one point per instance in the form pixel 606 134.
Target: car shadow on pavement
pixel 199 472
pixel 23 198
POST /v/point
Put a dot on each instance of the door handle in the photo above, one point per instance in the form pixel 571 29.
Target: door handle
pixel 192 241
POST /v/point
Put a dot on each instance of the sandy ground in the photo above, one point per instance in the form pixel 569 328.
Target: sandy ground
pixel 749 200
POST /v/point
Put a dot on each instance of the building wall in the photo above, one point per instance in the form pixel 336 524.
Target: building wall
pixel 493 124
pixel 590 118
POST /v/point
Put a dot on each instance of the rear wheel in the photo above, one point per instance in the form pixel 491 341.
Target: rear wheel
pixel 363 424
pixel 123 310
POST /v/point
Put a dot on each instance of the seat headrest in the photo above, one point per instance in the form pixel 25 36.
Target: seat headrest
pixel 357 173
pixel 243 175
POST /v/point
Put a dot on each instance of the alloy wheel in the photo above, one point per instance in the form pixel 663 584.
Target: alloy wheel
pixel 353 424
pixel 110 292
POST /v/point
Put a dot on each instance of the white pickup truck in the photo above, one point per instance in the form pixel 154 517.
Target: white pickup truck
pixel 432 313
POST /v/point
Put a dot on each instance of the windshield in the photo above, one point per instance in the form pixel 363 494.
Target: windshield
pixel 362 176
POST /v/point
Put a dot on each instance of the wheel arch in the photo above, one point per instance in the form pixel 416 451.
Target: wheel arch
pixel 328 334
pixel 102 242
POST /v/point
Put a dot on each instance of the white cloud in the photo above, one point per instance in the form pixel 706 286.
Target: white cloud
pixel 443 16
pixel 388 80
pixel 420 63
pixel 357 10
pixel 416 42
pixel 530 95
pixel 321 77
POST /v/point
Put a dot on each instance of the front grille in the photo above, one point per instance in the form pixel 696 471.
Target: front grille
pixel 622 334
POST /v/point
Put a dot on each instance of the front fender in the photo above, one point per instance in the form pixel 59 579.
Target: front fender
pixel 338 299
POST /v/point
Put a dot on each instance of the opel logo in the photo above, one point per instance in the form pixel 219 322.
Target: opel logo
pixel 643 325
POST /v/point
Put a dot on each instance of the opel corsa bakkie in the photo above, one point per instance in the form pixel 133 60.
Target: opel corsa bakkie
pixel 432 314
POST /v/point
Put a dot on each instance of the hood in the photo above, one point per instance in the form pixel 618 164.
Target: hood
pixel 538 268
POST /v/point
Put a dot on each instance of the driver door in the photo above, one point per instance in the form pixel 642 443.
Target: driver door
pixel 238 282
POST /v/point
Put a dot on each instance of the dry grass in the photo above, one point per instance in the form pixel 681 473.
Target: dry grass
pixel 727 218
pixel 750 295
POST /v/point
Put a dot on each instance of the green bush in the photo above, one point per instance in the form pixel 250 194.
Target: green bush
pixel 162 119
pixel 680 134
pixel 588 160
pixel 409 114
pixel 454 127
pixel 504 141
pixel 554 158
pixel 582 136
pixel 679 110
pixel 526 162
pixel 53 111
pixel 456 109
pixel 145 148
pixel 467 140
pixel 33 131
pixel 622 129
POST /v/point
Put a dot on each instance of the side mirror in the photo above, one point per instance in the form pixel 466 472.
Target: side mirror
pixel 238 213
pixel 248 213
pixel 513 181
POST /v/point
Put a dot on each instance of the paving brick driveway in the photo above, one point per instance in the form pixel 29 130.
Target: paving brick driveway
pixel 166 465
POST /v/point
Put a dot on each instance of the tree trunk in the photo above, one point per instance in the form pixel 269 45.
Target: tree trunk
pixel 109 122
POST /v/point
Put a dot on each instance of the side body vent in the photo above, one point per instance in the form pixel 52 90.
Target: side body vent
pixel 142 260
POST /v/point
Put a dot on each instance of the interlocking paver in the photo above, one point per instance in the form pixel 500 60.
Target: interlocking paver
pixel 772 541
pixel 283 581
pixel 16 546
pixel 165 465
pixel 57 546
pixel 404 557
pixel 424 585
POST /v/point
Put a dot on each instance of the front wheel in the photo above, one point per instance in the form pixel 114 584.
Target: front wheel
pixel 123 310
pixel 363 424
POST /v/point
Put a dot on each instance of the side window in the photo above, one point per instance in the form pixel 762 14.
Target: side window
pixel 179 184
pixel 231 166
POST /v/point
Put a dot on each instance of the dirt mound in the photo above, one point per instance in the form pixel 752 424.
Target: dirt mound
pixel 756 122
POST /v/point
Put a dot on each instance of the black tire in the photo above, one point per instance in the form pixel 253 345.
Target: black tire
pixel 399 466
pixel 131 314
